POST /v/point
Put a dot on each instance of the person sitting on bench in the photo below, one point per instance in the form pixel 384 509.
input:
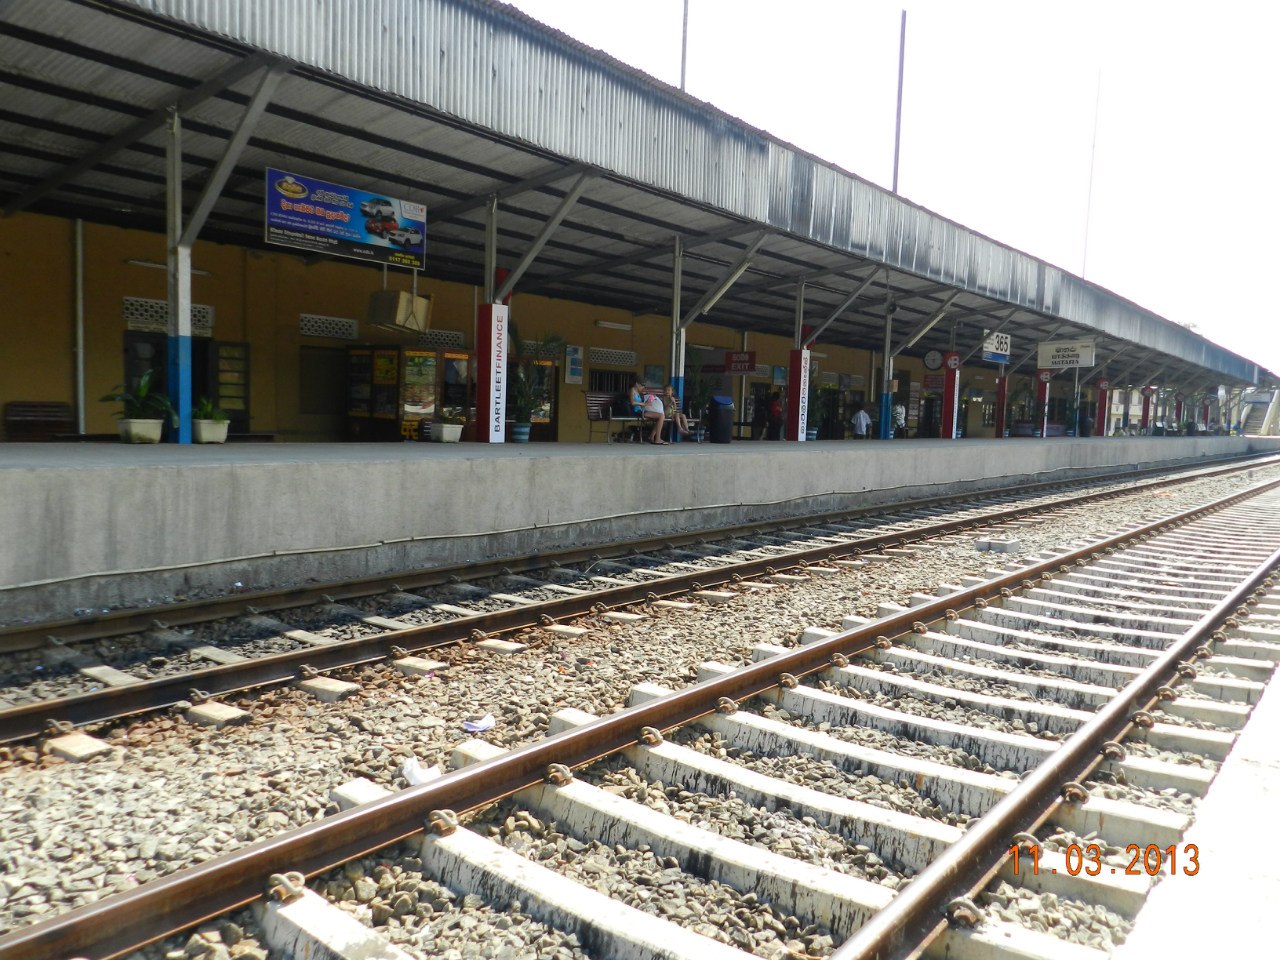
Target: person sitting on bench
pixel 649 406
pixel 672 412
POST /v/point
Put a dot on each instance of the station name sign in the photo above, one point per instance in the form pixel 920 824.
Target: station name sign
pixel 1065 354
pixel 343 221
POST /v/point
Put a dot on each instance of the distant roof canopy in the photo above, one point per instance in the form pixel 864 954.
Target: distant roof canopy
pixel 449 102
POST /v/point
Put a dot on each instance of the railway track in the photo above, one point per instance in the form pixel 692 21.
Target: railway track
pixel 1065 658
pixel 77 672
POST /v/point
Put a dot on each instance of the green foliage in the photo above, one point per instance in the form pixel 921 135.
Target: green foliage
pixel 205 410
pixel 525 392
pixel 142 403
pixel 697 391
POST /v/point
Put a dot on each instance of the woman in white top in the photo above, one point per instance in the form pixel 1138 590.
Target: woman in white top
pixel 648 406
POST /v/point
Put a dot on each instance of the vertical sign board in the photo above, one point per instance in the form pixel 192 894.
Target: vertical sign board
pixel 798 396
pixel 950 395
pixel 491 372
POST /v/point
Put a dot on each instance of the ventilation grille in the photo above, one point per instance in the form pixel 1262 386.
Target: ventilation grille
pixel 152 316
pixel 612 358
pixel 337 328
pixel 441 338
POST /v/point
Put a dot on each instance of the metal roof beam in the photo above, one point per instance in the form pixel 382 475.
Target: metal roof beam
pixel 649 253
pixel 141 128
pixel 456 209
pixel 1105 363
pixel 713 295
pixel 1124 378
pixel 1032 352
pixel 270 79
pixel 543 236
pixel 926 326
pixel 844 305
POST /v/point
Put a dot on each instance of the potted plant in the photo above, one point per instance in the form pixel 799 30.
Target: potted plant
pixel 209 424
pixel 144 411
pixel 697 398
pixel 526 390
pixel 447 429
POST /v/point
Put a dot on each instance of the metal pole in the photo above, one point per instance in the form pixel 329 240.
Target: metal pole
pixel 179 268
pixel 886 395
pixel 79 285
pixel 684 43
pixel 897 122
pixel 1093 153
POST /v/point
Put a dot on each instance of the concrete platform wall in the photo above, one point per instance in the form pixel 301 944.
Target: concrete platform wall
pixel 99 525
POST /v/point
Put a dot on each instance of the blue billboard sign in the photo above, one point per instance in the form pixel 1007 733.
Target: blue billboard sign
pixel 343 221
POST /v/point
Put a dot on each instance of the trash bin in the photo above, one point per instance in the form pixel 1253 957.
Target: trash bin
pixel 721 419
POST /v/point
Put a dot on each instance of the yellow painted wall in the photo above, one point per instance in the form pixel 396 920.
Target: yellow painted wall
pixel 37 324
pixel 257 297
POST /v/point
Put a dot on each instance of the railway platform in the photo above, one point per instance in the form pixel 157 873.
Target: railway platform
pixel 1238 876
pixel 105 524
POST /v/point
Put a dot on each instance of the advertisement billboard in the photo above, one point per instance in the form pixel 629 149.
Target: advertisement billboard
pixel 343 221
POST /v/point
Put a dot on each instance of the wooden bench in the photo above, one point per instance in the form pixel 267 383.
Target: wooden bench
pixel 613 412
pixel 27 421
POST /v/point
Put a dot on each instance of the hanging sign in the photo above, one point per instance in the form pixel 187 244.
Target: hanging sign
pixel 742 362
pixel 343 221
pixel 1064 354
pixel 1104 384
pixel 995 349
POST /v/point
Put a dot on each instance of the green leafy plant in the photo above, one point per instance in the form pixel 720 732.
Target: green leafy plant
pixel 697 391
pixel 205 410
pixel 526 391
pixel 142 403
pixel 817 414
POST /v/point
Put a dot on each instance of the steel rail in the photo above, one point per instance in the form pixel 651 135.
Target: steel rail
pixel 127 921
pixel 18 637
pixel 917 915
pixel 30 720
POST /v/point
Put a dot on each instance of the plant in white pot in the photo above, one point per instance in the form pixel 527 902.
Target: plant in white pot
pixel 209 424
pixel 144 411
pixel 447 429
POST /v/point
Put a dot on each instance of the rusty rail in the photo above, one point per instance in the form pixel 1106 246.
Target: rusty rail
pixel 126 921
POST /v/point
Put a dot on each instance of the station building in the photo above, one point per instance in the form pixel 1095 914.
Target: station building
pixel 654 235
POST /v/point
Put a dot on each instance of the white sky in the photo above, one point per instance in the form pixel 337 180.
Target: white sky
pixel 998 123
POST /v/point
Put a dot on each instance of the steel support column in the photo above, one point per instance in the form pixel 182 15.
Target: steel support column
pixel 886 377
pixel 544 235
pixel 179 270
pixel 678 337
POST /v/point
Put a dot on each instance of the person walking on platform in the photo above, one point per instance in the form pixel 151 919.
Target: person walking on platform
pixel 899 421
pixel 648 406
pixel 861 423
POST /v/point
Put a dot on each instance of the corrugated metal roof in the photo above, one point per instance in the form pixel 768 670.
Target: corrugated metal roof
pixel 455 98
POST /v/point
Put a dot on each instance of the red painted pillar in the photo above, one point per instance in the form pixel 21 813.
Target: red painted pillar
pixel 491 372
pixel 1104 409
pixel 1002 401
pixel 798 395
pixel 1146 408
pixel 950 396
pixel 1042 399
